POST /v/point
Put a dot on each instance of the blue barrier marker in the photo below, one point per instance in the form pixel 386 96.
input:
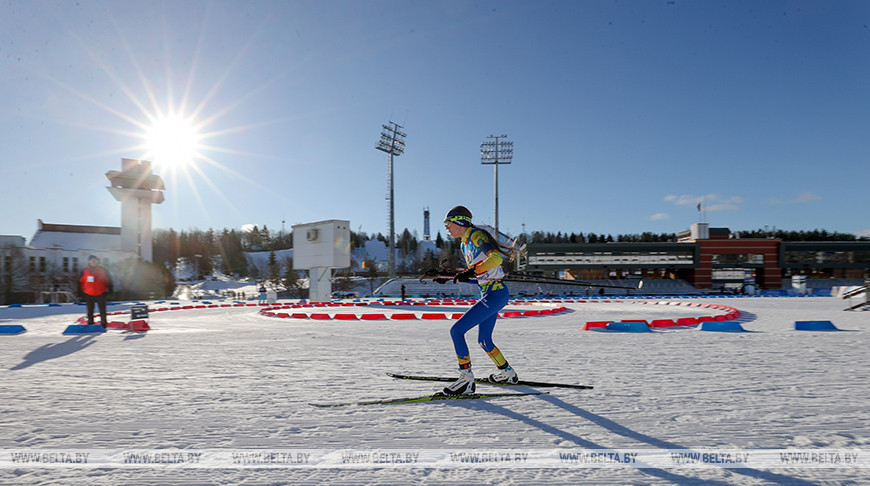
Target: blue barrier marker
pixel 10 329
pixel 84 329
pixel 721 326
pixel 814 326
pixel 628 327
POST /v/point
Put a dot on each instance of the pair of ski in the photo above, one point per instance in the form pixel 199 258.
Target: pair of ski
pixel 442 396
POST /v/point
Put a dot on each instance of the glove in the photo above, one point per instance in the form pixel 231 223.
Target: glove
pixel 465 276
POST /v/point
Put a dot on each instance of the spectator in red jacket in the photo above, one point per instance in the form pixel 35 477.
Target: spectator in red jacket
pixel 95 283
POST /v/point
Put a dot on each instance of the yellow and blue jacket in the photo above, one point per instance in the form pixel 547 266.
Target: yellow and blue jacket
pixel 482 255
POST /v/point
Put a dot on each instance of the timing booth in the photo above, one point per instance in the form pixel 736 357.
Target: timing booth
pixel 320 247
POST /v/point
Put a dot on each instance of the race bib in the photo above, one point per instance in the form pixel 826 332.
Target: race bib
pixel 90 278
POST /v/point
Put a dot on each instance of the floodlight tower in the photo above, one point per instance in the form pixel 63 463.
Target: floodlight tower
pixel 393 143
pixel 495 152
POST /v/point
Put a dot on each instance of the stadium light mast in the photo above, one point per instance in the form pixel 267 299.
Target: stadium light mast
pixel 496 151
pixel 393 143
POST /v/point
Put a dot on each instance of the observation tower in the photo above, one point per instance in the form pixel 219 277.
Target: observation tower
pixel 137 188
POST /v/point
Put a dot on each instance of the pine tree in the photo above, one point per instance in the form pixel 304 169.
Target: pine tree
pixel 273 270
pixel 291 279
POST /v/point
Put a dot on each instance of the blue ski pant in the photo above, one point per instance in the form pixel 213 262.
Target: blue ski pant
pixel 482 314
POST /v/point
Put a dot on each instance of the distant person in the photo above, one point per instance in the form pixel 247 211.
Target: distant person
pixel 262 294
pixel 95 283
pixel 403 292
pixel 483 257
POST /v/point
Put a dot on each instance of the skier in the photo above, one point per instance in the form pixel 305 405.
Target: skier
pixel 483 257
pixel 95 283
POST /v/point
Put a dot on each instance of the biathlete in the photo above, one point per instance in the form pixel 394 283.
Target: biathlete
pixel 483 257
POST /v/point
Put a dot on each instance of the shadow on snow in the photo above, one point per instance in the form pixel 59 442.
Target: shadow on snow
pixel 54 351
pixel 619 429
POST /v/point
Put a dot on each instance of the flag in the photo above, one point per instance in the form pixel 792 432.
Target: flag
pixel 699 207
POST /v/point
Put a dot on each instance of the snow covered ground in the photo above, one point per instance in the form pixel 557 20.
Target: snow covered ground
pixel 230 379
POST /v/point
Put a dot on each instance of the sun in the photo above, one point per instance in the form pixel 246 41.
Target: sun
pixel 173 141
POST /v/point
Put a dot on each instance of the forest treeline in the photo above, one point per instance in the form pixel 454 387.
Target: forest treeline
pixel 227 247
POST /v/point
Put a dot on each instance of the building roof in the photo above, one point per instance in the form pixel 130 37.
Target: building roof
pixel 76 237
pixel 72 228
pixel 10 241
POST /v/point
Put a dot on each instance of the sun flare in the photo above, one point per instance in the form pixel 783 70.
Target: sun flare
pixel 173 141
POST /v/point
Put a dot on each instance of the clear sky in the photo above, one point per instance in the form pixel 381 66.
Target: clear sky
pixel 624 114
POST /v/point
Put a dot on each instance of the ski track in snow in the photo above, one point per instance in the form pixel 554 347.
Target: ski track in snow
pixel 231 378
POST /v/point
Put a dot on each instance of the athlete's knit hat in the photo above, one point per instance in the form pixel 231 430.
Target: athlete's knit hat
pixel 460 215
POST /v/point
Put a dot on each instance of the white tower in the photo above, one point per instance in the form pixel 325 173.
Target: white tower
pixel 137 189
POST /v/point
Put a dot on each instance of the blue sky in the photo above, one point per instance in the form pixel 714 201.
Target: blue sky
pixel 624 114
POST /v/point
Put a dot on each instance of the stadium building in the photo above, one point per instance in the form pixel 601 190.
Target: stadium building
pixel 703 257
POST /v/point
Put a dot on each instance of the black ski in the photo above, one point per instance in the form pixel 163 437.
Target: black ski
pixel 856 306
pixel 484 381
pixel 427 398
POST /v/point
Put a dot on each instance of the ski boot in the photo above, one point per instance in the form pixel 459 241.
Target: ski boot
pixel 463 386
pixel 507 375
